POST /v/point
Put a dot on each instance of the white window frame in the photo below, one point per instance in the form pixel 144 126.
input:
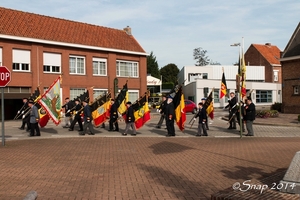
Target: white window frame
pixel 21 58
pixel 77 68
pixel 75 92
pixel 127 68
pixel 99 67
pixel 275 75
pixel 97 92
pixel 52 60
pixel 296 90
pixel 133 95
pixel 0 56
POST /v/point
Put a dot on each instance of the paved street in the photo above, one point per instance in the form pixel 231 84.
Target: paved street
pixel 62 165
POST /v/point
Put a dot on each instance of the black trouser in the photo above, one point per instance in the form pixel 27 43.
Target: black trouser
pixel 112 122
pixel 77 119
pixel 170 126
pixel 34 127
pixel 26 121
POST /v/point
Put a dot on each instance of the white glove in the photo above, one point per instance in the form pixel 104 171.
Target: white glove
pixel 76 112
pixel 18 112
pixel 23 116
pixel 22 112
pixel 68 111
pixel 194 119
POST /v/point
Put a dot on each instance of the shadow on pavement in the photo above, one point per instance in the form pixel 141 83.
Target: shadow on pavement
pixel 168 147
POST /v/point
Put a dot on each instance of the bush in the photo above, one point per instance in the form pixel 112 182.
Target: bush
pixel 276 106
pixel 267 113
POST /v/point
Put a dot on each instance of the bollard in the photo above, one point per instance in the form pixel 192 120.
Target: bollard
pixel 32 195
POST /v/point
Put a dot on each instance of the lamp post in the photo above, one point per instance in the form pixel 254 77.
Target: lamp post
pixel 239 87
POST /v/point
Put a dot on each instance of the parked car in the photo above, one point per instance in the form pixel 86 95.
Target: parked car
pixel 190 106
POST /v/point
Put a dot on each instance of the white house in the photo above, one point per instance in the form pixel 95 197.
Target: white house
pixel 200 80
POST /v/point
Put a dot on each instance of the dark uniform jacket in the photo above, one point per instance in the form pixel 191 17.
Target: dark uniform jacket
pixel 114 111
pixel 250 112
pixel 170 111
pixel 202 115
pixel 162 107
pixel 77 109
pixel 232 105
pixel 68 106
pixel 130 115
pixel 87 114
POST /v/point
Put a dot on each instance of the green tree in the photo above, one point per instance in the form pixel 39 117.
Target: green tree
pixel 152 66
pixel 169 73
pixel 200 57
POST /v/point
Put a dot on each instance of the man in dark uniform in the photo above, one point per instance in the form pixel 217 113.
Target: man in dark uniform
pixel 232 111
pixel 87 118
pixel 202 120
pixel 34 119
pixel 24 111
pixel 113 118
pixel 130 119
pixel 203 103
pixel 162 109
pixel 250 116
pixel 68 115
pixel 77 117
pixel 170 117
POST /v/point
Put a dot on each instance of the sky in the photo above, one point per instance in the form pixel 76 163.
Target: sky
pixel 172 29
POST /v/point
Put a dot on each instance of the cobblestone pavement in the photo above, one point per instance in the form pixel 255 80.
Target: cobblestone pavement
pixel 62 165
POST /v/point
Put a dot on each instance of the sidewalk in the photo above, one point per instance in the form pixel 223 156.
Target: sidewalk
pixel 63 165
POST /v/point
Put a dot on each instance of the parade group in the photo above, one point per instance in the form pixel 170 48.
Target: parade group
pixel 80 111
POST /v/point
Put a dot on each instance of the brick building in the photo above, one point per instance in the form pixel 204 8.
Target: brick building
pixel 290 61
pixel 37 49
pixel 265 55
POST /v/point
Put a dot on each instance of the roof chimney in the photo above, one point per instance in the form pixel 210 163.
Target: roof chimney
pixel 127 30
pixel 268 44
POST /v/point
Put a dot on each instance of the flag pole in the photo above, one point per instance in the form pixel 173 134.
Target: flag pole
pixel 240 90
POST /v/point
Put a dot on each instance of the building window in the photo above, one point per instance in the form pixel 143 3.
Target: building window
pixel 99 92
pixel 76 92
pixel 99 67
pixel 275 76
pixel 205 76
pixel 52 62
pixel 133 95
pixel 264 96
pixel 77 65
pixel 216 96
pixel 127 69
pixel 205 92
pixel 296 90
pixel 21 60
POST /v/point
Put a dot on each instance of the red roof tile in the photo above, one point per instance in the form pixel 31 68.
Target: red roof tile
pixel 29 25
pixel 270 52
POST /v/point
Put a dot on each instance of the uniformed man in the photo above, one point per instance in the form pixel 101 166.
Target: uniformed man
pixel 77 118
pixel 113 118
pixel 87 119
pixel 232 110
pixel 162 110
pixel 170 117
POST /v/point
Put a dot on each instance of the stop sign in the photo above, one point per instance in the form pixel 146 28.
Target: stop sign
pixel 5 76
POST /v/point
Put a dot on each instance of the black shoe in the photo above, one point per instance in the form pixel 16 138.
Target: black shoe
pixel 21 128
pixel 91 133
pixel 133 134
pixel 205 135
pixel 110 130
pixel 229 128
pixel 70 129
pixel 248 135
pixel 124 134
pixel 197 135
pixel 65 126
pixel 157 126
pixel 37 135
pixel 81 133
pixel 117 130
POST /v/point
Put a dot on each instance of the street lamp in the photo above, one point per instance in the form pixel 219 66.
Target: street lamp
pixel 239 87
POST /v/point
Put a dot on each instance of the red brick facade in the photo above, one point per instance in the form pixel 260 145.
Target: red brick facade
pixel 265 55
pixel 41 34
pixel 291 78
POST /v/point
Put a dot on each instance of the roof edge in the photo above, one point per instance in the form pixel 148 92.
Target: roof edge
pixel 290 58
pixel 70 45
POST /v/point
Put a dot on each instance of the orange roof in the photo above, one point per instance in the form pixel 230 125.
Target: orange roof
pixel 270 52
pixel 29 25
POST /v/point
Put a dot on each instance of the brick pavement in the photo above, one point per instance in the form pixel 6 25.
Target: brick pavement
pixel 62 165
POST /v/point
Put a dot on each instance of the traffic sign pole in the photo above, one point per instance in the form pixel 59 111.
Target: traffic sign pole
pixel 5 77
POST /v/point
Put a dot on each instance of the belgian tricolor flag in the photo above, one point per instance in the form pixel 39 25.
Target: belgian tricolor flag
pixel 179 106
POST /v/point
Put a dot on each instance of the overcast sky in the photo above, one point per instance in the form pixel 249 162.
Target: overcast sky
pixel 172 29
